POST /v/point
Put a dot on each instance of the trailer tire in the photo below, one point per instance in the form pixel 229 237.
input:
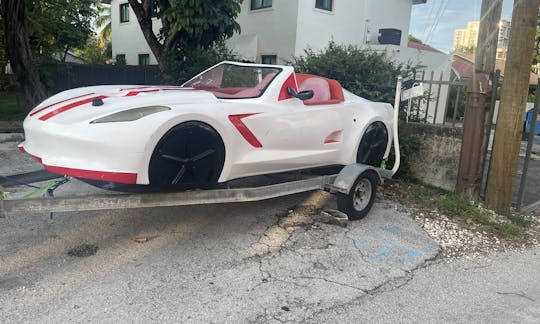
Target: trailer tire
pixel 358 202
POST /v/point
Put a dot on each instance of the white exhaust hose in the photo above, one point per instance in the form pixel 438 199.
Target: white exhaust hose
pixel 396 120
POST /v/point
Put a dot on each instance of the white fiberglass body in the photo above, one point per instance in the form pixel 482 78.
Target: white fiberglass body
pixel 110 133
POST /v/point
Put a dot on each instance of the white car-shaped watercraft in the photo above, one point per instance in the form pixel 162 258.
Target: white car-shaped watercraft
pixel 231 121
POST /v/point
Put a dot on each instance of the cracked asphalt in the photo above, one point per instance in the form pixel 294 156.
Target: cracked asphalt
pixel 263 262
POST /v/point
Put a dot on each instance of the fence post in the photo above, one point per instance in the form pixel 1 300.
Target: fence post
pixel 532 132
pixel 456 106
pixel 496 84
pixel 429 95
pixel 438 97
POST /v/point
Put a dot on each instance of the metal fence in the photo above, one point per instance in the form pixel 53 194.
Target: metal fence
pixel 69 75
pixel 443 99
pixel 444 102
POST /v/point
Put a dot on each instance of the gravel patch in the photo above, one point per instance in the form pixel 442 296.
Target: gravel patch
pixel 459 238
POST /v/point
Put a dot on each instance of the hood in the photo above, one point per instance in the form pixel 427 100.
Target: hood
pixel 76 105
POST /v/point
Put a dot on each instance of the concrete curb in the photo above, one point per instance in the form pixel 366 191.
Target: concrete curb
pixel 11 127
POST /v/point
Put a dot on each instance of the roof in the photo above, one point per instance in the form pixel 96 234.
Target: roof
pixel 418 1
pixel 463 65
pixel 424 47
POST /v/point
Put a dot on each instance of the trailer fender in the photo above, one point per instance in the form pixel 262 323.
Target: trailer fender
pixel 347 176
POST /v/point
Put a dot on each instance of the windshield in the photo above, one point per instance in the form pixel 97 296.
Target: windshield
pixel 229 81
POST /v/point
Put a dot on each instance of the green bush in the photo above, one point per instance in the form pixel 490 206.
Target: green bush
pixel 408 146
pixel 364 72
pixel 183 64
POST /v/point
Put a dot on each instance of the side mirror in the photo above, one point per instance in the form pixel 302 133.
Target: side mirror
pixel 302 95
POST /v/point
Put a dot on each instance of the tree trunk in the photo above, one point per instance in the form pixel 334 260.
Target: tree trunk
pixel 471 159
pixel 18 51
pixel 144 17
pixel 505 154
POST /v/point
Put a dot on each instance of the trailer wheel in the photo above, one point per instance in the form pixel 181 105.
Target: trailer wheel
pixel 359 201
pixel 190 155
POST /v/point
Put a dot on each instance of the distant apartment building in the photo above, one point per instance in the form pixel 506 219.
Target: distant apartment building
pixel 467 39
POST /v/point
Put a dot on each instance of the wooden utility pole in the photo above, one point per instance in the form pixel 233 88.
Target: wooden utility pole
pixel 471 159
pixel 505 153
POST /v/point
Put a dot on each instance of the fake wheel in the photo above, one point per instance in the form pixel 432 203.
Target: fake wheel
pixel 359 201
pixel 190 155
pixel 373 145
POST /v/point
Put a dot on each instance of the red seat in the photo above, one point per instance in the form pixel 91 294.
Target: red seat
pixel 336 91
pixel 320 88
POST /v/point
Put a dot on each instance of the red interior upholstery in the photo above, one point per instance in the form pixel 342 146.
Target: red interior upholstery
pixel 320 88
pixel 336 92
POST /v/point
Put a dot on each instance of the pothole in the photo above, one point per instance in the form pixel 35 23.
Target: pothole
pixel 83 250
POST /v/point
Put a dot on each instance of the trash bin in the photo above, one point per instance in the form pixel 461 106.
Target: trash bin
pixel 528 122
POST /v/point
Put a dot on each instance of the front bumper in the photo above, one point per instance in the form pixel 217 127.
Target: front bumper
pixel 108 152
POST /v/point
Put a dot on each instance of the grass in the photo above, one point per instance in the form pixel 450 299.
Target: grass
pixel 12 106
pixel 457 206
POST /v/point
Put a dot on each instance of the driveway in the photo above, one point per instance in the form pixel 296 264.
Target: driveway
pixel 246 262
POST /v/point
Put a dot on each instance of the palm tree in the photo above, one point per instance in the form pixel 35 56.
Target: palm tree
pixel 103 22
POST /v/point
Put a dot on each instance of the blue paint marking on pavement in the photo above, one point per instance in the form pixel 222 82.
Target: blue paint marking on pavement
pixel 394 229
pixel 391 249
pixel 384 251
pixel 357 243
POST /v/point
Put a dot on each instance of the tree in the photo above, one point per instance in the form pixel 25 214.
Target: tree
pixel 36 30
pixel 59 26
pixel 19 52
pixel 93 51
pixel 186 24
pixel 103 22
pixel 414 39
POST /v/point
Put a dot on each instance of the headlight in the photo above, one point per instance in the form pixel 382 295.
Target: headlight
pixel 131 114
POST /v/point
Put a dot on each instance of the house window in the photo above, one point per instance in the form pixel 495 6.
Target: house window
pixel 269 59
pixel 260 4
pixel 323 4
pixel 144 59
pixel 120 59
pixel 155 8
pixel 124 12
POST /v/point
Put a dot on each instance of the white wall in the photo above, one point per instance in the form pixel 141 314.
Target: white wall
pixel 316 28
pixel 351 22
pixel 275 28
pixel 287 28
pixel 127 38
pixel 388 14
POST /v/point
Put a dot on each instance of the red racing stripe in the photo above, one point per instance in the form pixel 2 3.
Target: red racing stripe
pixel 134 93
pixel 68 107
pixel 120 177
pixel 236 120
pixel 21 148
pixel 59 102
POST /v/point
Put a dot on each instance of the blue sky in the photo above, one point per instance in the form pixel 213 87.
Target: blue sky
pixel 434 22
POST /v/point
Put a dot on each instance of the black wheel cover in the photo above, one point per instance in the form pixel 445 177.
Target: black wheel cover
pixel 190 155
pixel 373 145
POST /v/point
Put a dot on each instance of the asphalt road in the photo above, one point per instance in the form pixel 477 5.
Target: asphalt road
pixel 264 262
pixel 221 263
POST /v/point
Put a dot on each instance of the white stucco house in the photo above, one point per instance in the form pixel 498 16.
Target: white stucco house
pixel 273 31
